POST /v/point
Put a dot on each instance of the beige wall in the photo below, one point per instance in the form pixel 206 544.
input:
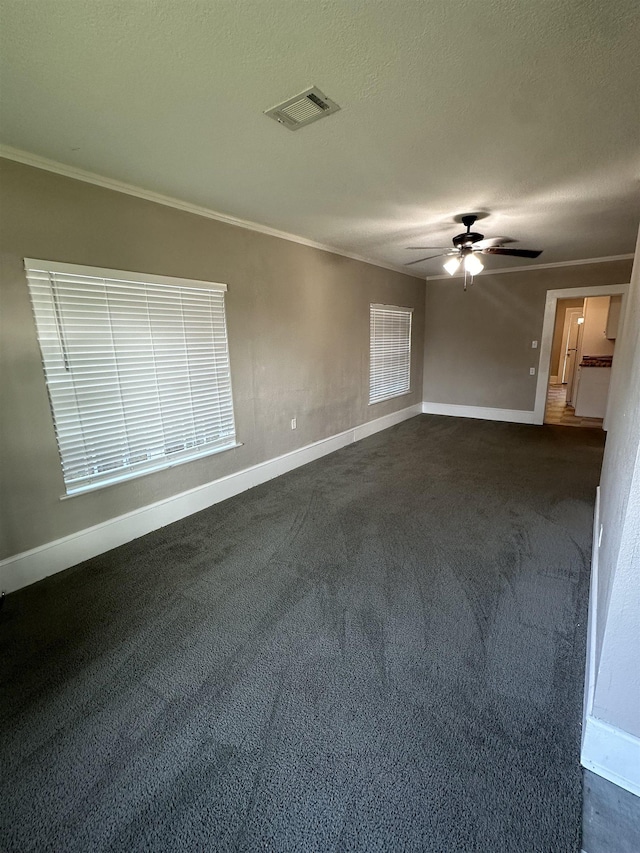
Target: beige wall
pixel 563 305
pixel 298 322
pixel 478 343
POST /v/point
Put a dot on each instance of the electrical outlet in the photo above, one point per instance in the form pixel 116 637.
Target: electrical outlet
pixel 532 371
pixel 534 344
pixel 293 423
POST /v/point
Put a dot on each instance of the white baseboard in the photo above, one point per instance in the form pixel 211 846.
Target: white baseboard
pixel 516 416
pixel 611 753
pixel 606 750
pixel 38 563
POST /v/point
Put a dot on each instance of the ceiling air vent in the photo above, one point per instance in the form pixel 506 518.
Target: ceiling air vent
pixel 306 107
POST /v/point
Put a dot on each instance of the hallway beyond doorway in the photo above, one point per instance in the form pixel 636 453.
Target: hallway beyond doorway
pixel 558 412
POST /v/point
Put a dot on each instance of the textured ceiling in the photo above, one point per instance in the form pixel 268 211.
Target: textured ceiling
pixel 529 111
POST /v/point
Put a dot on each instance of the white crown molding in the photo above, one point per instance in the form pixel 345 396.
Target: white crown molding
pixel 30 566
pixel 530 267
pixel 77 174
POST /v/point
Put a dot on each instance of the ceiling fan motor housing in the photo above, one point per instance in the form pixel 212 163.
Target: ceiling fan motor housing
pixel 460 241
pixel 467 239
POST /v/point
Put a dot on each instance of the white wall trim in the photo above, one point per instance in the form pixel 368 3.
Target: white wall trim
pixel 515 416
pixel 546 337
pixel 29 159
pixel 611 753
pixel 529 267
pixel 78 174
pixel 34 565
pixel 592 620
pixel 606 750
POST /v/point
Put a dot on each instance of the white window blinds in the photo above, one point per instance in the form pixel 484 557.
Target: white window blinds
pixel 137 370
pixel 390 356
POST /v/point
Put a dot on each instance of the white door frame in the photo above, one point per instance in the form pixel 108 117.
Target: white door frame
pixel 573 313
pixel 546 338
pixel 564 341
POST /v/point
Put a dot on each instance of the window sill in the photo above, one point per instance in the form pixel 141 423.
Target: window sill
pixel 142 472
pixel 391 397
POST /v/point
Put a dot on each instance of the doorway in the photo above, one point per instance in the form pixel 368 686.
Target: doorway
pixel 567 344
pixel 592 346
pixel 571 346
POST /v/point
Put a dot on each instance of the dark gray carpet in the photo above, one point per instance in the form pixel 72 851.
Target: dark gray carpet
pixel 381 651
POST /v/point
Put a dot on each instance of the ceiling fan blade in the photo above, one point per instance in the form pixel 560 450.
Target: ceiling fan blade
pixel 420 260
pixel 516 253
pixel 426 248
pixel 493 241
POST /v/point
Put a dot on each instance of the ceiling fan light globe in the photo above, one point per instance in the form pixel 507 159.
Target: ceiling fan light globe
pixel 452 265
pixel 473 265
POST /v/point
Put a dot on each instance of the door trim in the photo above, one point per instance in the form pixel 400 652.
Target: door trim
pixel 571 385
pixel 546 338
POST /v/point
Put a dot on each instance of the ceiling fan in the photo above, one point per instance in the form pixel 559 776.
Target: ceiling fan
pixel 468 245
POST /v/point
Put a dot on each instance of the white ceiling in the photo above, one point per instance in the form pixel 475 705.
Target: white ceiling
pixel 527 110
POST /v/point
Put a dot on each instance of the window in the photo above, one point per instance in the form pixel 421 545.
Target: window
pixel 390 357
pixel 137 370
